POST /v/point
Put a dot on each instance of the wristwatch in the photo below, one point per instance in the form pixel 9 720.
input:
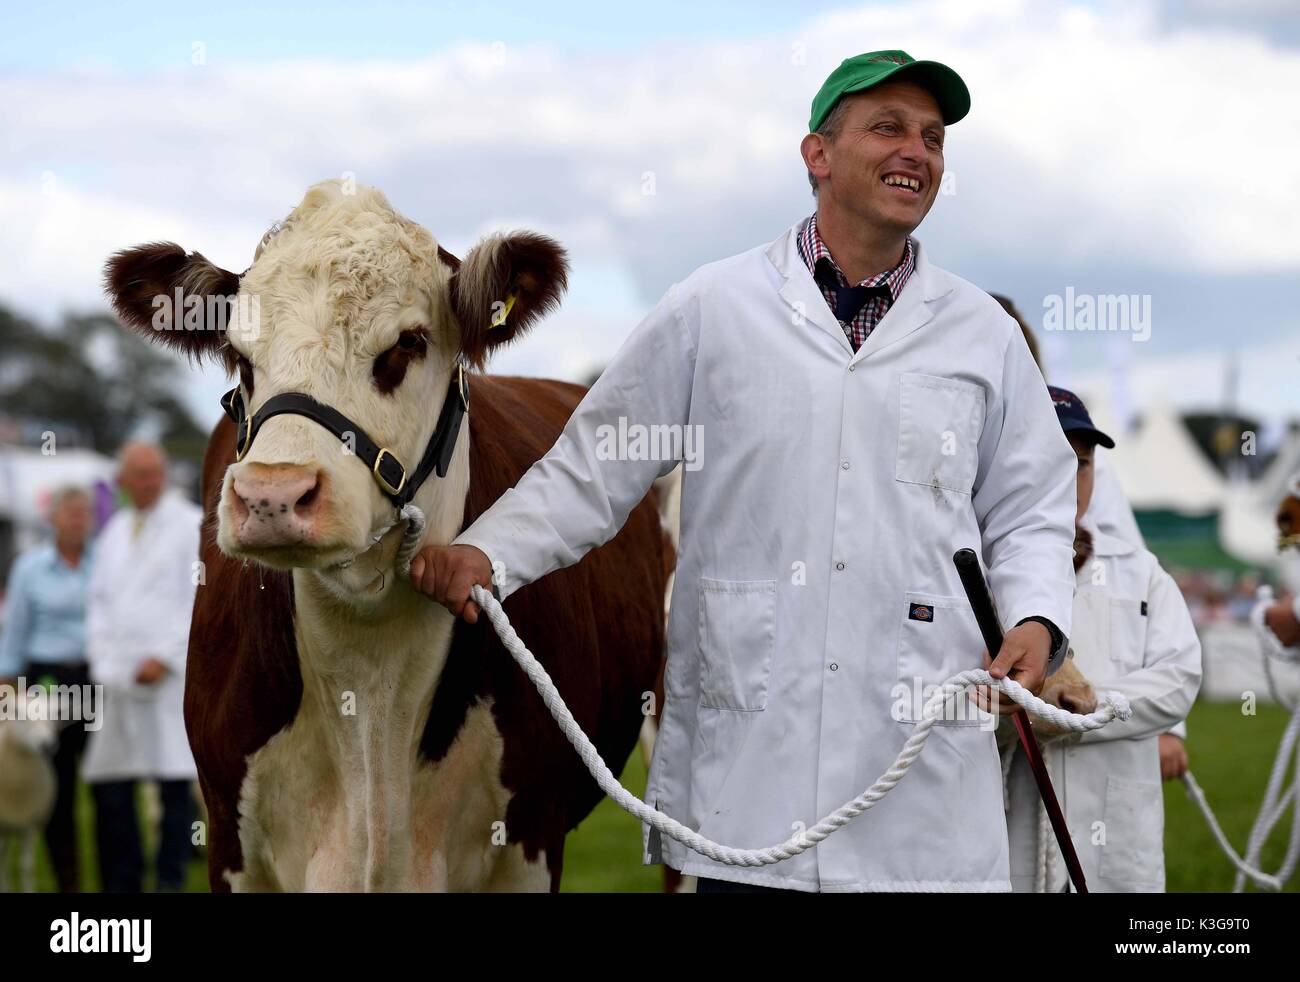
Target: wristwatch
pixel 1057 653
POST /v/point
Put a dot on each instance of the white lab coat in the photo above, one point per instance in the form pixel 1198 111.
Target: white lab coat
pixel 141 598
pixel 834 490
pixel 1109 509
pixel 1111 513
pixel 1108 780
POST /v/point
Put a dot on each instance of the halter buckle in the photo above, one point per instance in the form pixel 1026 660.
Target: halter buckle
pixel 383 483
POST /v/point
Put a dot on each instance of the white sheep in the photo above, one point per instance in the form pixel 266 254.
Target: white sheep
pixel 27 790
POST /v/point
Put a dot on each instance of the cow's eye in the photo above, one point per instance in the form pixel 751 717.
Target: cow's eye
pixel 390 367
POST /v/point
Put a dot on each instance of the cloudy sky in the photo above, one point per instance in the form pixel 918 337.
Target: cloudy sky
pixel 1136 148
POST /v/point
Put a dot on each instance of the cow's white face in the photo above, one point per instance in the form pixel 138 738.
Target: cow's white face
pixel 353 311
pixel 352 304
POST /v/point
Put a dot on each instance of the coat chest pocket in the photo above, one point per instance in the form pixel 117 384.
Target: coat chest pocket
pixel 737 639
pixel 938 638
pixel 1128 632
pixel 939 426
pixel 1133 815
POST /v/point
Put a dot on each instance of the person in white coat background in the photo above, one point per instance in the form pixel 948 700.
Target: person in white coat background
pixel 857 415
pixel 142 585
pixel 43 636
pixel 1283 616
pixel 1110 511
pixel 1132 633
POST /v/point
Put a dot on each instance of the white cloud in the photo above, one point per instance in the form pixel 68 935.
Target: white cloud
pixel 1097 136
pixel 55 240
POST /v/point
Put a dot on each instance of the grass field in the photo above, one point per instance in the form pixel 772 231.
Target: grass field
pixel 1231 755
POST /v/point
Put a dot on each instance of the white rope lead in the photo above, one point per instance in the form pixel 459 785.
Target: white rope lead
pixel 1115 706
pixel 411 538
pixel 1243 868
pixel 1276 799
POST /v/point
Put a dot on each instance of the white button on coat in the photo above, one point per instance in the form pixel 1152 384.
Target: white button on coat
pixel 955 444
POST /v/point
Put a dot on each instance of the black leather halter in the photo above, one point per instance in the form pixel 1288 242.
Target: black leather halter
pixel 398 484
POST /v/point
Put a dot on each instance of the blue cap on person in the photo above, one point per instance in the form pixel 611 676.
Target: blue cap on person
pixel 1074 417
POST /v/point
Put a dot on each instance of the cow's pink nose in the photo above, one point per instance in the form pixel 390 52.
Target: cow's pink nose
pixel 275 505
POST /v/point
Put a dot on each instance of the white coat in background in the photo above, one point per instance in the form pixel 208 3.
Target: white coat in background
pixel 141 598
pixel 1109 509
pixel 1132 634
pixel 834 489
pixel 1110 512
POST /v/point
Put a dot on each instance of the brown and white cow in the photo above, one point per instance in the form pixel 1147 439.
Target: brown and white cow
pixel 349 733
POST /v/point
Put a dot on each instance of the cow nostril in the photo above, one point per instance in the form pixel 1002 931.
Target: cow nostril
pixel 1081 703
pixel 306 504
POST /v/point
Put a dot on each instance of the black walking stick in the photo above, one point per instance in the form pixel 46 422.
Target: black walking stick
pixel 977 591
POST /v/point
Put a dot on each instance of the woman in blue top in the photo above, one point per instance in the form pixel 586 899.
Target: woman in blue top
pixel 44 636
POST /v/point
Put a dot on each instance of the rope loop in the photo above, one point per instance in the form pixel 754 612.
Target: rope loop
pixel 1113 706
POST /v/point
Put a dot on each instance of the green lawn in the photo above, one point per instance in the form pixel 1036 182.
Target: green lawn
pixel 196 879
pixel 603 854
pixel 1230 755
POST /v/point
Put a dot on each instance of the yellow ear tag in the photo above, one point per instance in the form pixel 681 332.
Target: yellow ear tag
pixel 500 319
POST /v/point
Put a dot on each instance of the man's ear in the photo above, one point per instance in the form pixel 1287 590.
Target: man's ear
pixel 171 297
pixel 505 285
pixel 813 150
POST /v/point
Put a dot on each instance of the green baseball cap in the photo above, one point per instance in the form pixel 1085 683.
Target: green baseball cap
pixel 865 71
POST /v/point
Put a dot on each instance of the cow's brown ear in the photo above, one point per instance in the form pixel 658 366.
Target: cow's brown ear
pixel 504 286
pixel 172 297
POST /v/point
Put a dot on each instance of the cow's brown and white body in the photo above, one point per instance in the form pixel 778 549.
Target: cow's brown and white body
pixel 349 733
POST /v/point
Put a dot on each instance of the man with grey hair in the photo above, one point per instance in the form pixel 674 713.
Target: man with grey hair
pixel 44 640
pixel 141 594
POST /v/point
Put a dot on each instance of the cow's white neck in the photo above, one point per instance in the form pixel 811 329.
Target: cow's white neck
pixel 371 651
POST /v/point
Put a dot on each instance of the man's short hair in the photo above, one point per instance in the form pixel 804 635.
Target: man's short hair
pixel 829 130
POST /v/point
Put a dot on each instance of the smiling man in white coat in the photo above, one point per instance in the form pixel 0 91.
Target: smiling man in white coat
pixel 859 415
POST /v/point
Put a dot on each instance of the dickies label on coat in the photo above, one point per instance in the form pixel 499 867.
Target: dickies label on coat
pixel 920 612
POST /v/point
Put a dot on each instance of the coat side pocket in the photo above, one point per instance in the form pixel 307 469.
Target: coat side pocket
pixel 937 638
pixel 939 426
pixel 737 623
pixel 1133 815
